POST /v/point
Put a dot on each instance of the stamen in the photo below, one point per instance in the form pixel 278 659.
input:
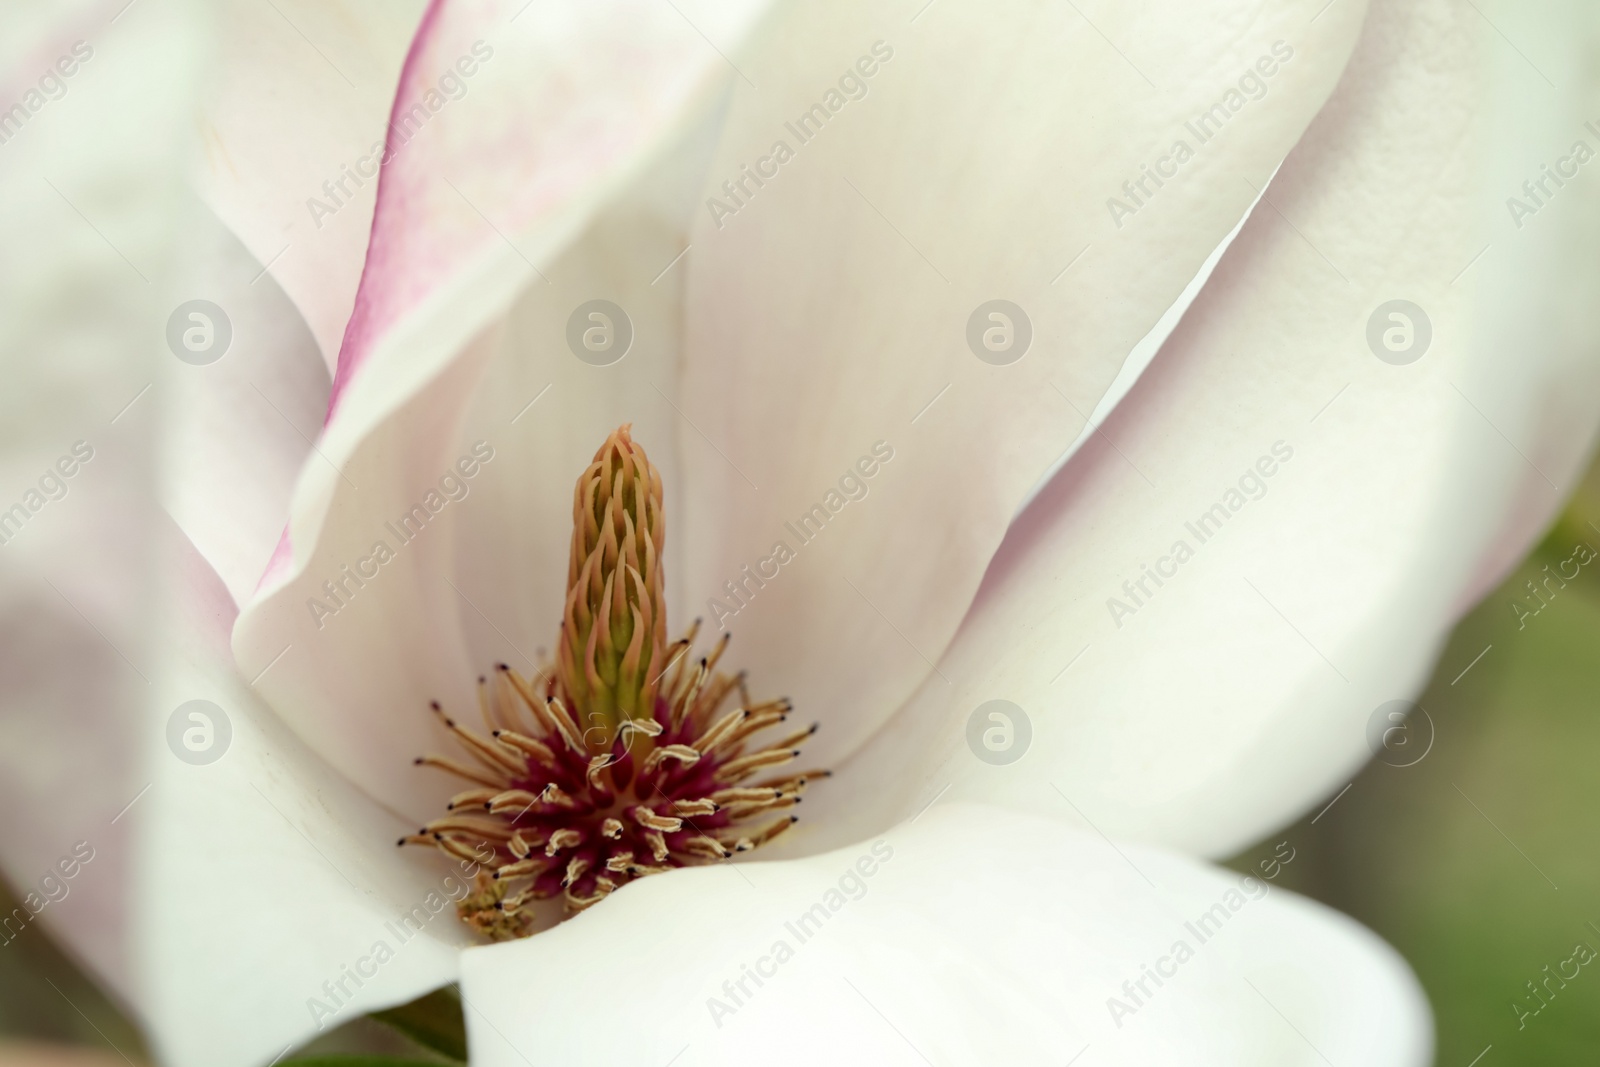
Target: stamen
pixel 520 868
pixel 703 806
pixel 564 725
pixel 744 794
pixel 518 800
pixel 682 753
pixel 687 697
pixel 772 757
pixel 455 848
pixel 724 726
pixel 596 765
pixel 709 847
pixel 564 838
pixel 530 746
pixel 645 817
pixel 460 770
pixel 575 870
pixel 472 798
pixel 489 829
pixel 648 727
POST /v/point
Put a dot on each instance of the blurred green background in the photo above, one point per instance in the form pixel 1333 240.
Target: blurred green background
pixel 1480 863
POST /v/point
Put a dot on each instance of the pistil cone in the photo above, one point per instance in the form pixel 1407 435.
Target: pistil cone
pixel 613 631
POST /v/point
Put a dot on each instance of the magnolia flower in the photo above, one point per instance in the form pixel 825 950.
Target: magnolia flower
pixel 883 285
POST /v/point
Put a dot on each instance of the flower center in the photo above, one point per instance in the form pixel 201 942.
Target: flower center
pixel 631 758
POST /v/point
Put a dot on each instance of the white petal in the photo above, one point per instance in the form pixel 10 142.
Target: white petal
pixel 1238 693
pixel 239 429
pixel 970 936
pixel 265 874
pixel 830 312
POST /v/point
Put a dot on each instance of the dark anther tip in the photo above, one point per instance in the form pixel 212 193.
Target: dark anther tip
pixel 499 906
pixel 794 819
pixel 497 733
pixel 417 761
pixel 434 704
pixel 481 679
pixel 814 728
pixel 502 667
pixel 402 841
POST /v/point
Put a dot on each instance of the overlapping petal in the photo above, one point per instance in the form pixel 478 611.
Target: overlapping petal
pixel 972 935
pixel 239 428
pixel 1298 522
pixel 294 124
pixel 830 313
pixel 272 903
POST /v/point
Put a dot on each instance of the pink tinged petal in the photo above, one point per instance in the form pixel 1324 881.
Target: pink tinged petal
pixel 271 904
pixel 294 126
pixel 829 313
pixel 239 429
pixel 552 98
pixel 1237 694
pixel 1007 948
pixel 88 195
pixel 483 582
